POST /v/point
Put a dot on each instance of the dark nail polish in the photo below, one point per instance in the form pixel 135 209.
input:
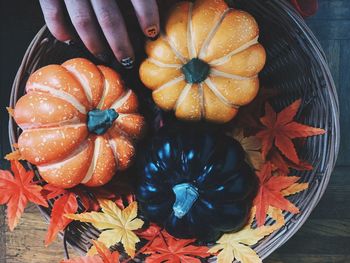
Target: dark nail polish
pixel 152 32
pixel 153 38
pixel 127 63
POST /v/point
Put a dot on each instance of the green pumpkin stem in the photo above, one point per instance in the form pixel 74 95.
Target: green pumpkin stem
pixel 186 194
pixel 196 70
pixel 99 121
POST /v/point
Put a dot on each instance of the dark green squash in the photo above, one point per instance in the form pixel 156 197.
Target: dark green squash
pixel 195 183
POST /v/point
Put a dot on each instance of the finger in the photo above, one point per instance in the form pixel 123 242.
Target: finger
pixel 84 21
pixel 53 11
pixel 148 16
pixel 114 29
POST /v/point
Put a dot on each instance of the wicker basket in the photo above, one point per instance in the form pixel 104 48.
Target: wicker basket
pixel 296 66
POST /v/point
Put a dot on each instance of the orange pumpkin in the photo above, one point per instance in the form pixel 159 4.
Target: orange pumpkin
pixel 206 65
pixel 79 123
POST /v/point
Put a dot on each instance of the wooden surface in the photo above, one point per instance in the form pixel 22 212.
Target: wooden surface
pixel 324 238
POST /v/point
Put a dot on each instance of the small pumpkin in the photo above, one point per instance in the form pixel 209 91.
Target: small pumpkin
pixel 195 183
pixel 79 123
pixel 206 64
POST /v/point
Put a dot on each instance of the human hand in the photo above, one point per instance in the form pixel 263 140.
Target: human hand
pixel 99 24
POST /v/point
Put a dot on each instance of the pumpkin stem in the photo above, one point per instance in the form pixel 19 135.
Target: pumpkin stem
pixel 196 70
pixel 99 121
pixel 186 194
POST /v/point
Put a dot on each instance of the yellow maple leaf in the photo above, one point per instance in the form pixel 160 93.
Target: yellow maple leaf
pixel 15 155
pixel 11 111
pixel 252 147
pixel 117 225
pixel 295 188
pixel 237 245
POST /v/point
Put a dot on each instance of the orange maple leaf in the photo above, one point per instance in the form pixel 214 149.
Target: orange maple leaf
pixel 270 193
pixel 104 256
pixel 150 233
pixel 280 129
pixel 16 190
pixel 15 155
pixel 166 248
pixel 67 203
pixel 247 116
pixel 281 163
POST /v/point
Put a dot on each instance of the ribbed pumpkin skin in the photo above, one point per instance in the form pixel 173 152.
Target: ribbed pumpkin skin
pixel 226 39
pixel 53 117
pixel 213 164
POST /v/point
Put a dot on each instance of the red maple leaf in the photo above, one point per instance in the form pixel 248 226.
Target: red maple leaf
pixel 283 164
pixel 16 190
pixel 65 204
pixel 247 116
pixel 270 193
pixel 150 233
pixel 305 7
pixel 165 248
pixel 104 256
pixel 280 129
pixel 65 201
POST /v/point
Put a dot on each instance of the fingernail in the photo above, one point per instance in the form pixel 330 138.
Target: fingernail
pixel 127 63
pixel 104 57
pixel 152 32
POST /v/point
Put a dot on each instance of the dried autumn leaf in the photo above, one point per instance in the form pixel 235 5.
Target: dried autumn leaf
pixel 64 201
pixel 104 256
pixel 10 111
pixel 66 204
pixel 14 156
pixel 150 233
pixel 247 116
pixel 117 225
pixel 237 245
pixel 50 191
pixel 280 129
pixel 276 214
pixel 270 193
pixel 295 188
pixel 252 147
pixel 16 190
pixel 165 248
pixel 283 164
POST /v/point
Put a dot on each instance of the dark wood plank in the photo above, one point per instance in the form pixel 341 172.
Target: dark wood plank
pixel 2 235
pixel 335 203
pixel 331 29
pixel 308 258
pixel 26 243
pixel 333 9
pixel 344 95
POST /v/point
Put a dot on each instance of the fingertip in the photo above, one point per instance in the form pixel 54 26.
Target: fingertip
pixel 152 32
pixel 148 15
pixel 127 62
